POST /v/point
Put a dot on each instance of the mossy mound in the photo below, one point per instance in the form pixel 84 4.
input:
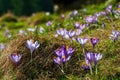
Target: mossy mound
pixel 41 66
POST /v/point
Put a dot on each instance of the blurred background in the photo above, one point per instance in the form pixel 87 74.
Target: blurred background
pixel 28 7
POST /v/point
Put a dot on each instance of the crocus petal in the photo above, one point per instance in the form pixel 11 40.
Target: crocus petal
pixel 15 57
pixel 57 60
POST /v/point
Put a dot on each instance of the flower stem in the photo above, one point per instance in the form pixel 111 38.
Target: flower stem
pixel 91 70
pixel 31 55
pixel 96 70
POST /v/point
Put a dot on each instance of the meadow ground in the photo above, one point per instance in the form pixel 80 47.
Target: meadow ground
pixel 52 31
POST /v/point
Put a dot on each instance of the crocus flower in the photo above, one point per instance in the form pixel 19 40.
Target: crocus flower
pixel 32 46
pixel 15 58
pixel 2 46
pixel 82 41
pixel 97 14
pixel 91 19
pixel 66 35
pixel 77 24
pixel 62 16
pixel 103 25
pixel 78 32
pixel 114 35
pixel 102 13
pixel 118 5
pixel 21 32
pixel 109 8
pixel 41 30
pixel 75 12
pixel 7 34
pixel 31 29
pixel 61 31
pixel 63 54
pixel 71 33
pixel 92 58
pixel 47 13
pixel 94 41
pixel 49 23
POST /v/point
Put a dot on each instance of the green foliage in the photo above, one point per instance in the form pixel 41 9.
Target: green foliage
pixel 25 7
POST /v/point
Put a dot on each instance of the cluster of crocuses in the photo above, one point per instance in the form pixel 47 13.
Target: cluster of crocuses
pixel 32 46
pixel 71 34
pixel 63 54
pixel 90 57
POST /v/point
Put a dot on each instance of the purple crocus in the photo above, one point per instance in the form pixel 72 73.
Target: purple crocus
pixel 32 46
pixel 7 34
pixel 118 5
pixel 75 12
pixel 49 23
pixel 94 41
pixel 66 35
pixel 115 34
pixel 62 16
pixel 78 32
pixel 102 13
pixel 41 30
pixel 91 19
pixel 63 54
pixel 82 41
pixel 109 8
pixel 2 46
pixel 92 58
pixel 77 24
pixel 22 32
pixel 71 33
pixel 61 31
pixel 15 58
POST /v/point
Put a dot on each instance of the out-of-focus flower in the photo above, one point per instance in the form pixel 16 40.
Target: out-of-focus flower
pixel 7 34
pixel 75 12
pixel 82 26
pixel 61 31
pixel 21 32
pixel 62 16
pixel 92 58
pixel 109 8
pixel 118 5
pixel 47 13
pixel 66 35
pixel 71 33
pixel 15 58
pixel 63 54
pixel 91 19
pixel 77 24
pixel 103 25
pixel 82 41
pixel 41 30
pixel 115 34
pixel 103 13
pixel 2 46
pixel 78 32
pixel 31 29
pixel 94 41
pixel 116 12
pixel 97 14
pixel 49 23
